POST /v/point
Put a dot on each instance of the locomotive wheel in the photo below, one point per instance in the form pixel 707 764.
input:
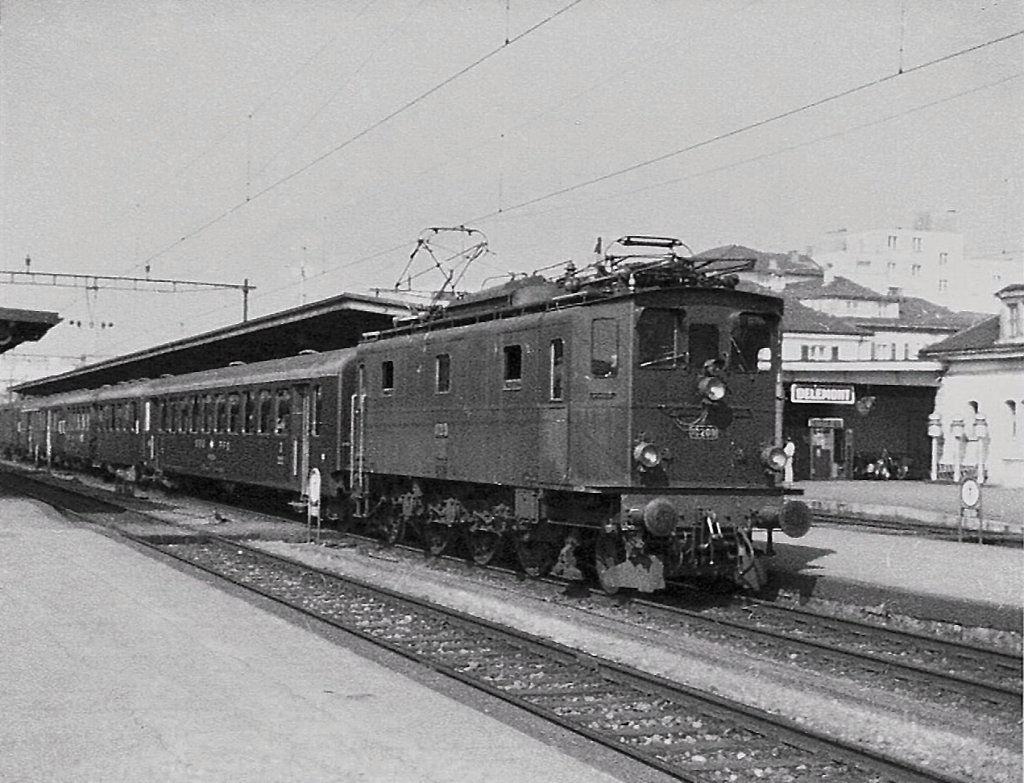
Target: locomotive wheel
pixel 536 555
pixel 392 529
pixel 484 545
pixel 438 537
pixel 606 556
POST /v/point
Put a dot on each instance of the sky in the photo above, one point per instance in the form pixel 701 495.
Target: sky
pixel 305 145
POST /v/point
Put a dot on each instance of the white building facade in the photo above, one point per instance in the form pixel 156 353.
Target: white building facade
pixel 978 422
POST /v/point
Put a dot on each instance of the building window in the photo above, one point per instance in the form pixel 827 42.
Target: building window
pixel 943 285
pixel 862 264
pixel 443 373
pixel 915 270
pixel 943 259
pixel 512 362
pixel 892 241
pixel 1011 418
pixel 387 377
pixel 835 353
pixel 557 390
pixel 805 352
pixel 890 268
pixel 1013 322
pixel 917 244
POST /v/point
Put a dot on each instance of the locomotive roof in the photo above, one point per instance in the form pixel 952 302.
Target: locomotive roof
pixel 536 294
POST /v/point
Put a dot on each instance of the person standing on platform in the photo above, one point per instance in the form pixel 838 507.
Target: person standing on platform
pixel 790 451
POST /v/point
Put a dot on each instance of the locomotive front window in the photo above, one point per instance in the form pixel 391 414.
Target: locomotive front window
pixel 604 348
pixel 513 366
pixel 703 343
pixel 443 373
pixel 660 339
pixel 750 343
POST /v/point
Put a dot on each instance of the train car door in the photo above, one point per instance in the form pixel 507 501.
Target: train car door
pixel 356 435
pixel 149 444
pixel 300 436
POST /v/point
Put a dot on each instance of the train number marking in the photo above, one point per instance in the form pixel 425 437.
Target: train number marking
pixel 703 432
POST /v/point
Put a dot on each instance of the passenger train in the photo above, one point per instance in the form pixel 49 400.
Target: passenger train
pixel 623 419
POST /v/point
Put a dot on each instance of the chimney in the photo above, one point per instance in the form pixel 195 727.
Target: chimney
pixel 828 273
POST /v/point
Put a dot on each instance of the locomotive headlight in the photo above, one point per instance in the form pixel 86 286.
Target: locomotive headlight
pixel 712 389
pixel 773 458
pixel 646 456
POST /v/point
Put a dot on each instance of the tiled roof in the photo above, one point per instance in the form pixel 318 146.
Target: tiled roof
pixel 979 336
pixel 916 313
pixel 799 318
pixel 837 288
pixel 783 263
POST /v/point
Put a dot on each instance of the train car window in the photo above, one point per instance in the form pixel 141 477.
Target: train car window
pixel 660 338
pixel 316 402
pixel 557 388
pixel 266 409
pixel 750 343
pixel 164 416
pixel 604 348
pixel 221 422
pixel 284 411
pixel 703 343
pixel 443 373
pixel 209 413
pixel 133 417
pixel 512 361
pixel 233 413
pixel 251 413
pixel 387 377
pixel 193 414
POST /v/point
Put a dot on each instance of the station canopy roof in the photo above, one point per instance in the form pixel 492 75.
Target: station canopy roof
pixel 326 325
pixel 20 326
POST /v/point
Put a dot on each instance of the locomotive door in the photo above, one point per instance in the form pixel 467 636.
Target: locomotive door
pixel 357 447
pixel 554 418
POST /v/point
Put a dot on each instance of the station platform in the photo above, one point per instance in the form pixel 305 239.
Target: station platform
pixel 900 572
pixel 119 667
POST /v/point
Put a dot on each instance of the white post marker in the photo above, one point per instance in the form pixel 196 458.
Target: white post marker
pixel 970 506
pixel 313 503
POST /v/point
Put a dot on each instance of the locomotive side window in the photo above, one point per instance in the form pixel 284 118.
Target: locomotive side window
pixel 557 390
pixel 604 348
pixel 660 338
pixel 512 361
pixel 196 414
pixel 703 342
pixel 443 373
pixel 750 344
pixel 284 411
pixel 387 377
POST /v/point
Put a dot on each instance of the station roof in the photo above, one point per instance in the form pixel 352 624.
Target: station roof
pixel 326 325
pixel 20 326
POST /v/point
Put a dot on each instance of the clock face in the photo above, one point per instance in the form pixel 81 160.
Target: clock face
pixel 970 493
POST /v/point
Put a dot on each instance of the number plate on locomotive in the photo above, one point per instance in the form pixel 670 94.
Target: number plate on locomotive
pixel 703 432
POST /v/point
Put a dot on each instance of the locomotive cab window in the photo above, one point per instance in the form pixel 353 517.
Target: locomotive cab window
pixel 387 377
pixel 604 348
pixel 512 366
pixel 750 343
pixel 703 343
pixel 443 373
pixel 660 338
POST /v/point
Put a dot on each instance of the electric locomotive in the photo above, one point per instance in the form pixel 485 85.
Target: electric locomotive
pixel 624 417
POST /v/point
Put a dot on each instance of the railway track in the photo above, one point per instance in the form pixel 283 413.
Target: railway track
pixel 689 735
